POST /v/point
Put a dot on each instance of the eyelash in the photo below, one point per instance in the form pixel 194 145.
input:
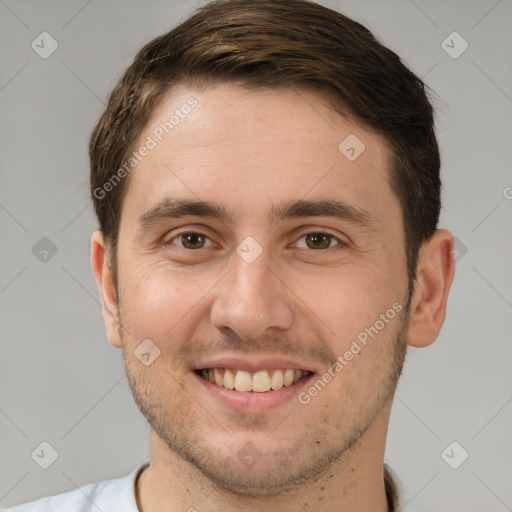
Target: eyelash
pixel 339 244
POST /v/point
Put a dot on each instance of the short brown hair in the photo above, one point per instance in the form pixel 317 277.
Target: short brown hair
pixel 272 44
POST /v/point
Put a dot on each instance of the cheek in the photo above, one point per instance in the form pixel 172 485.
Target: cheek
pixel 346 302
pixel 158 299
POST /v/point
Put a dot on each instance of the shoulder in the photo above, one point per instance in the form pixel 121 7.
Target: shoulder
pixel 108 496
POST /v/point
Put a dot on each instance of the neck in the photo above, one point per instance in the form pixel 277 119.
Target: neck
pixel 357 482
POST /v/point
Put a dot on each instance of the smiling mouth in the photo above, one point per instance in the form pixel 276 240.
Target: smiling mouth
pixel 261 381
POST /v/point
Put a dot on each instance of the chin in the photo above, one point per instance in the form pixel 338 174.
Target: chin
pixel 255 465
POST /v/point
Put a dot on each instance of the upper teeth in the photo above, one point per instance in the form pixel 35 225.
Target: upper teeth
pixel 259 381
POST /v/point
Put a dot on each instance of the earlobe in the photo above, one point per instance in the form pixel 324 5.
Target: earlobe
pixel 103 275
pixel 436 269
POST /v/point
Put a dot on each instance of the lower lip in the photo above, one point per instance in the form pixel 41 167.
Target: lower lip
pixel 253 401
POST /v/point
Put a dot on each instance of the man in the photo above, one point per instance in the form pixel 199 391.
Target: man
pixel 266 179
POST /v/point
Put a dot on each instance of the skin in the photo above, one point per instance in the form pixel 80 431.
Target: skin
pixel 249 150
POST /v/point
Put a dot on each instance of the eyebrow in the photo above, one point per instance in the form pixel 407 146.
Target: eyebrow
pixel 170 208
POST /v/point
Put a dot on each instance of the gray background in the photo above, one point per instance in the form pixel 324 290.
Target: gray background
pixel 60 379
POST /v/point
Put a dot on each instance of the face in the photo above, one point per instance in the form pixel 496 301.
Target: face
pixel 263 258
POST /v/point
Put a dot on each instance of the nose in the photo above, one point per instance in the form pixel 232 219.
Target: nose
pixel 251 299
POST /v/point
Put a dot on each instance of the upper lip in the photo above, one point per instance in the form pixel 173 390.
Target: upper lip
pixel 254 363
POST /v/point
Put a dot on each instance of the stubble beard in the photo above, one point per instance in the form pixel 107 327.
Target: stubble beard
pixel 280 470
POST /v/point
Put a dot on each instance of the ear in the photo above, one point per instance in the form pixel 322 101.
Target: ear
pixel 436 268
pixel 103 275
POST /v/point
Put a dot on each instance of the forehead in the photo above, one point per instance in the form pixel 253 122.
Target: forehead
pixel 247 148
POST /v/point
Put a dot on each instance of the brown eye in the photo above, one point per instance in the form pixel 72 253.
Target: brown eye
pixel 317 240
pixel 190 240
